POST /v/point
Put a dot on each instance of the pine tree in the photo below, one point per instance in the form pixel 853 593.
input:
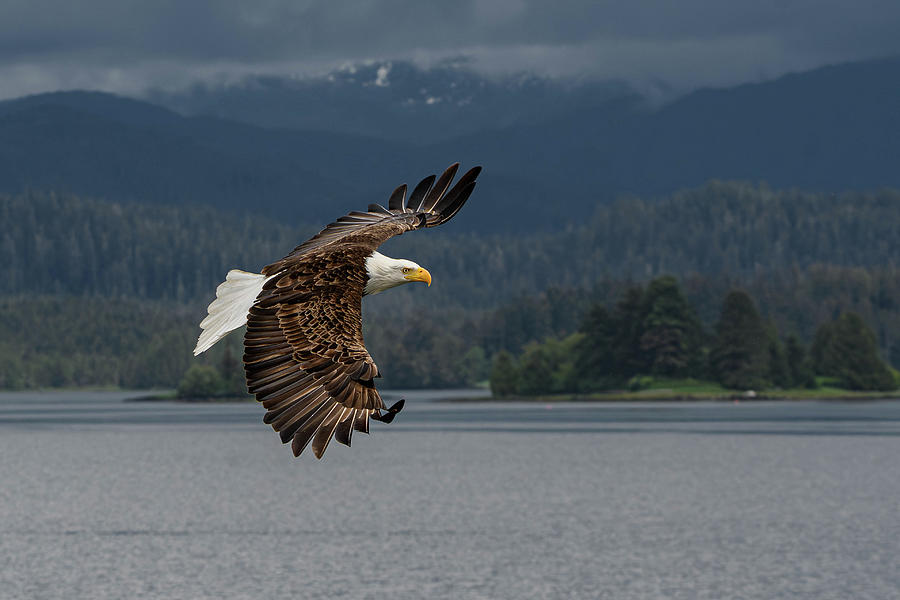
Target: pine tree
pixel 779 371
pixel 823 358
pixel 739 358
pixel 627 317
pixel 594 361
pixel 231 372
pixel 670 339
pixel 798 363
pixel 850 353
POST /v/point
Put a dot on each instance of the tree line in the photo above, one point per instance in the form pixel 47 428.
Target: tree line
pixel 53 341
pixel 66 244
pixel 654 331
pixel 101 293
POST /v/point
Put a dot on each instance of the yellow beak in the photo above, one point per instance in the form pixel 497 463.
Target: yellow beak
pixel 420 275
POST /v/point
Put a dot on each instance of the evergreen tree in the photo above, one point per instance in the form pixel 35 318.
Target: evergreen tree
pixel 670 338
pixel 231 371
pixel 851 354
pixel 798 363
pixel 823 358
pixel 594 360
pixel 779 371
pixel 504 375
pixel 739 358
pixel 627 317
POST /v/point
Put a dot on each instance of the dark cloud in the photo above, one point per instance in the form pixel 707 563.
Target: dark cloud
pixel 127 45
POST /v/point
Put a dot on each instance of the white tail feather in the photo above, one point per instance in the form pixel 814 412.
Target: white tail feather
pixel 229 310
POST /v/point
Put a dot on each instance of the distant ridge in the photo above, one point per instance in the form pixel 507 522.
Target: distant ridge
pixel 831 129
pixel 395 100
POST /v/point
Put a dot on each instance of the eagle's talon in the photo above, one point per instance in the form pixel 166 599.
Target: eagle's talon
pixel 389 415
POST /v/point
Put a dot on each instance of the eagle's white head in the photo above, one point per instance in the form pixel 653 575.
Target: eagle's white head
pixel 386 272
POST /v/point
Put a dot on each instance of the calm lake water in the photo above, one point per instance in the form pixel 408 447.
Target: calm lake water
pixel 103 498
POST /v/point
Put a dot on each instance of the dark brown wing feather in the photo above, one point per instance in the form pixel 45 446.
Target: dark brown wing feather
pixel 304 354
pixel 372 228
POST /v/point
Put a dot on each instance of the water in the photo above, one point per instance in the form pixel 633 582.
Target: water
pixel 102 498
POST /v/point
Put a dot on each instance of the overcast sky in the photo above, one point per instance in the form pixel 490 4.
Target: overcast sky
pixel 127 46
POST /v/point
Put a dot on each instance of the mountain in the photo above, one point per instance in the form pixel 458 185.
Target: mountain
pixel 831 129
pixel 106 146
pixel 394 100
pixel 826 130
pixel 101 145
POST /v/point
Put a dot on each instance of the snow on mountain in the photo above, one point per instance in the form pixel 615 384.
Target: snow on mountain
pixel 395 100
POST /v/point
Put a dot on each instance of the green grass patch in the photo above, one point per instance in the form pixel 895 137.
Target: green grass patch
pixel 656 389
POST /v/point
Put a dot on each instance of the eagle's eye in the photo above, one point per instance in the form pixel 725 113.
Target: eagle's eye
pixel 406 270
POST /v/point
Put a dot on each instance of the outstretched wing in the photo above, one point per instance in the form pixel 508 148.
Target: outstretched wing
pixel 429 205
pixel 304 354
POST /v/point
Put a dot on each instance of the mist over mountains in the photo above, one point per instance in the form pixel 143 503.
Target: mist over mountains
pixel 305 151
pixel 395 100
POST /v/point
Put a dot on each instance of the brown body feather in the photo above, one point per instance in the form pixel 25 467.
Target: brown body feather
pixel 304 354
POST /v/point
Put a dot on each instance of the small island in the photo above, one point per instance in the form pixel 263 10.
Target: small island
pixel 207 383
pixel 651 346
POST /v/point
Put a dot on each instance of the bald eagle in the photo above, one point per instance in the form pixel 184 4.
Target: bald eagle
pixel 304 355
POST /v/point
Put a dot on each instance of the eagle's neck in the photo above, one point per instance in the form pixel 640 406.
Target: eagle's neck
pixel 383 273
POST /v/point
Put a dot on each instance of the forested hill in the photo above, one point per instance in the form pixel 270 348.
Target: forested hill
pixel 65 244
pixel 104 293
pixel 104 146
pixel 828 130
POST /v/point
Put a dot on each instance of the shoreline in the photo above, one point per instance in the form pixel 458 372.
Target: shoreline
pixel 626 398
pixel 170 397
pixel 469 396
